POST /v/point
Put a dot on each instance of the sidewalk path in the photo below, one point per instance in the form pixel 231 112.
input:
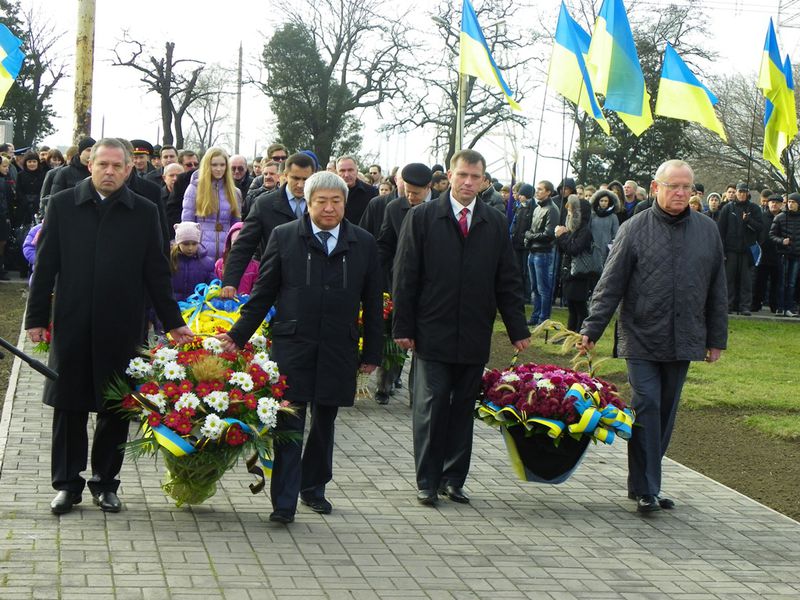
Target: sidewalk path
pixel 515 540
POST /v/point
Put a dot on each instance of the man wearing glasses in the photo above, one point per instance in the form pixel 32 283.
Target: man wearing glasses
pixel 375 175
pixel 672 311
pixel 277 152
pixel 241 176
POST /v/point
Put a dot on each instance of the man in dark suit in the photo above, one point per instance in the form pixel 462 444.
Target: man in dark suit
pixel 453 270
pixel 318 271
pixel 285 204
pixel 359 193
pixel 99 249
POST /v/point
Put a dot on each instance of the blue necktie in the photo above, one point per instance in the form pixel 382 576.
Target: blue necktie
pixel 324 236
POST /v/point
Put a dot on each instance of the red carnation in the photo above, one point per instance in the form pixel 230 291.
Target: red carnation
pixel 185 386
pixel 153 419
pixel 171 389
pixel 250 401
pixel 149 388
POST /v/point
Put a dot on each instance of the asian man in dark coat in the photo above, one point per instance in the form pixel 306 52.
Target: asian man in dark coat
pixel 100 250
pixel 318 271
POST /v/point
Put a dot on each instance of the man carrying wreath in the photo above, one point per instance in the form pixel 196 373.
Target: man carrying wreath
pixel 317 271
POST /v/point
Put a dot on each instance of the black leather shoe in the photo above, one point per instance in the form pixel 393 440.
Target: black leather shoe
pixel 456 494
pixel 427 497
pixel 647 504
pixel 382 398
pixel 281 516
pixel 107 501
pixel 318 505
pixel 63 502
pixel 398 383
pixel 666 503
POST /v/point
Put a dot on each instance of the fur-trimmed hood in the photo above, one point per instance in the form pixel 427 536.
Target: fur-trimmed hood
pixel 613 206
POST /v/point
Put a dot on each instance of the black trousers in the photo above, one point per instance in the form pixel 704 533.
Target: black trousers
pixel 70 449
pixel 739 275
pixel 522 261
pixel 765 290
pixel 296 471
pixel 441 419
pixel 656 391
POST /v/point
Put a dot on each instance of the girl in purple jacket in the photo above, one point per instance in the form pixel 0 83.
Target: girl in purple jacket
pixel 213 201
pixel 189 264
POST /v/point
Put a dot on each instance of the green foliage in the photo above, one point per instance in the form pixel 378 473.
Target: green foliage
pixel 28 103
pixel 786 427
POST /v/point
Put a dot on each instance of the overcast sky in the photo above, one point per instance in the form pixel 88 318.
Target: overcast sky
pixel 121 108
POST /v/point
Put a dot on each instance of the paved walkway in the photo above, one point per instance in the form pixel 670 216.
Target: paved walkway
pixel 516 540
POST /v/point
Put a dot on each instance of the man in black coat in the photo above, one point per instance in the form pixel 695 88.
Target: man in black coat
pixel 359 193
pixel 99 251
pixel 269 210
pixel 76 170
pixel 318 271
pixel 451 275
pixel 189 161
pixel 740 225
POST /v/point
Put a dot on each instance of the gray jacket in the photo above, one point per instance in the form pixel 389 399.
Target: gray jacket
pixel 668 276
pixel 492 198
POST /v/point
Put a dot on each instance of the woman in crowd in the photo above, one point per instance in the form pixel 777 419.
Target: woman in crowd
pixel 574 240
pixel 7 203
pixel 604 222
pixel 29 186
pixel 213 201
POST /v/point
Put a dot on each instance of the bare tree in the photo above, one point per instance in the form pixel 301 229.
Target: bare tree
pixel 331 59
pixel 174 80
pixel 432 95
pixel 209 113
pixel 28 102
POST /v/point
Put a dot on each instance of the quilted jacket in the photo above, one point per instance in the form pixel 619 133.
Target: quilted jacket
pixel 667 274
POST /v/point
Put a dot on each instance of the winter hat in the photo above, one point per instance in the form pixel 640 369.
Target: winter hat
pixel 313 157
pixel 526 189
pixel 85 143
pixel 187 231
pixel 416 174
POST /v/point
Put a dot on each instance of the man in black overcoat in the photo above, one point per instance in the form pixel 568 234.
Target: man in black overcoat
pixel 359 193
pixel 283 205
pixel 454 269
pixel 99 251
pixel 317 271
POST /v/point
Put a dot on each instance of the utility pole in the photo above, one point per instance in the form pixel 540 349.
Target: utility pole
pixel 238 101
pixel 84 69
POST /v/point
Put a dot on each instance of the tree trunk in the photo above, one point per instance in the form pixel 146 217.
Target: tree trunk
pixel 166 100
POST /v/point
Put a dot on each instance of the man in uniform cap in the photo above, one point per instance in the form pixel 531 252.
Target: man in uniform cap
pixel 142 151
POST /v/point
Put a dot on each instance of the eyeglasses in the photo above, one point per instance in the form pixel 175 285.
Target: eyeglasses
pixel 278 157
pixel 674 187
pixel 237 168
pixel 191 165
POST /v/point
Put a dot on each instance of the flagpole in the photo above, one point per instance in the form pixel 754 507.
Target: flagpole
pixel 461 110
pixel 539 139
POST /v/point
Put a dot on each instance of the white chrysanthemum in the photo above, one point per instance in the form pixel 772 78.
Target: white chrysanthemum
pixel 212 427
pixel 174 371
pixel 598 385
pixel 509 377
pixel 217 400
pixel 545 383
pixel 537 375
pixel 259 341
pixel 159 399
pixel 139 368
pixel 164 356
pixel 268 411
pixel 261 359
pixel 271 368
pixel 212 345
pixel 187 400
pixel 243 380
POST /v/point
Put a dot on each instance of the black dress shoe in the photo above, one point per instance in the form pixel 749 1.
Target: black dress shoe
pixel 746 313
pixel 64 501
pixel 398 383
pixel 647 504
pixel 281 516
pixel 666 503
pixel 427 497
pixel 456 494
pixel 107 501
pixel 318 505
pixel 382 398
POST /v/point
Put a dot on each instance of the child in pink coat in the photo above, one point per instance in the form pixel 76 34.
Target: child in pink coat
pixel 250 274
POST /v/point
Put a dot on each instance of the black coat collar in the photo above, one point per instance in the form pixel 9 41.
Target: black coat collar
pixel 85 192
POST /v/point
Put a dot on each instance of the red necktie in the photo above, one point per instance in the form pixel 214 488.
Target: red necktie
pixel 462 221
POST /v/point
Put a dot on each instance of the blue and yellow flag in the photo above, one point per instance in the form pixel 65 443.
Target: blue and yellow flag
pixel 568 74
pixel 682 96
pixel 475 58
pixel 780 116
pixel 11 58
pixel 614 68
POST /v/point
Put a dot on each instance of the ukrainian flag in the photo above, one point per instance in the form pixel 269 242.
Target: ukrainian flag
pixel 475 58
pixel 614 68
pixel 568 74
pixel 780 116
pixel 11 58
pixel 682 96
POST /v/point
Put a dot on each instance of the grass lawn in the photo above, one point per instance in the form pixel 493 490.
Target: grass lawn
pixel 756 378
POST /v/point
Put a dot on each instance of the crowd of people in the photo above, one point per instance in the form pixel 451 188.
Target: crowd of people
pixel 453 246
